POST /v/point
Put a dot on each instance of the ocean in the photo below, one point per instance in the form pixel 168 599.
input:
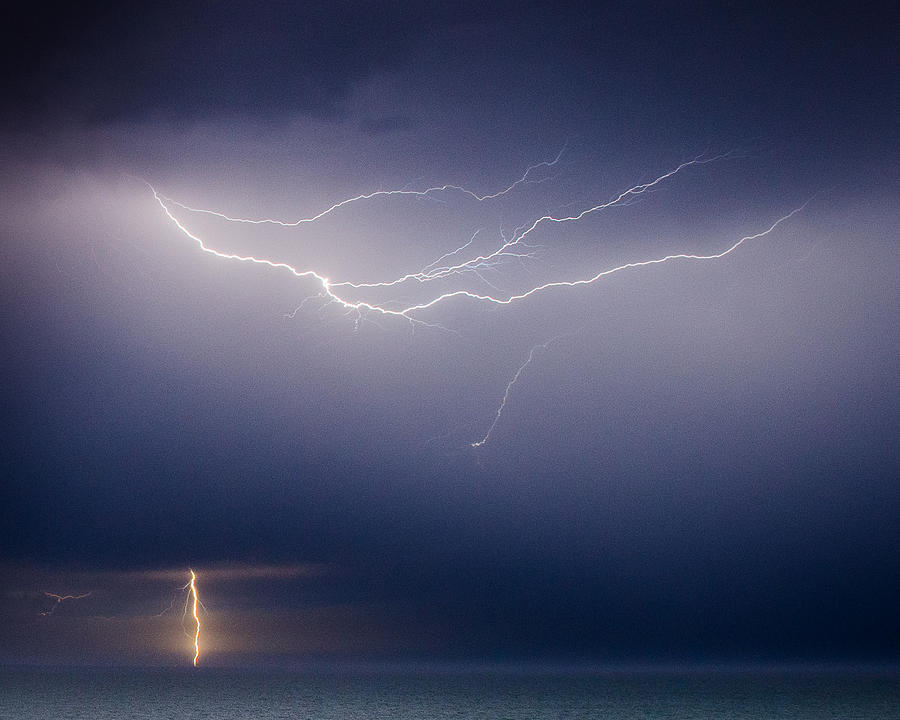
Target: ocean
pixel 104 694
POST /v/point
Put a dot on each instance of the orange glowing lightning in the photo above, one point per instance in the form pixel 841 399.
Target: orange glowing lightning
pixel 60 599
pixel 192 604
pixel 194 601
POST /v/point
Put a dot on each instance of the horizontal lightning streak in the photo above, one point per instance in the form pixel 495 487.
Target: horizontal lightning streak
pixel 60 599
pixel 603 273
pixel 323 281
pixel 369 196
pixel 626 266
pixel 441 269
pixel 431 272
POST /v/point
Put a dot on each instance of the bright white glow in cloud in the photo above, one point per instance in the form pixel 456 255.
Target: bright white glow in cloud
pixel 451 272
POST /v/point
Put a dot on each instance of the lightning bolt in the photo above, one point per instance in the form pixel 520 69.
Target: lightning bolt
pixel 462 261
pixel 60 599
pixel 368 196
pixel 509 385
pixel 192 605
pixel 194 600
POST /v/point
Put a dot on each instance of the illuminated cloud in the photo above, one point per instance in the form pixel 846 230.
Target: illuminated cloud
pixel 680 378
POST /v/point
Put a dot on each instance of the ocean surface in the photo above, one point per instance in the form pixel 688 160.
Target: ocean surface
pixel 100 694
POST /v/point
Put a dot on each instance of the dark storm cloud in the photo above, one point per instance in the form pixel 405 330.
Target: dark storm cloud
pixel 705 466
pixel 196 60
pixel 703 473
pixel 807 65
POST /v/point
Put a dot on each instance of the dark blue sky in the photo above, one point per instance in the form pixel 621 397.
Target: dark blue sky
pixel 700 462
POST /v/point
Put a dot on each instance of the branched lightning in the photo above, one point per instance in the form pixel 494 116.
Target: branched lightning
pixel 461 261
pixel 60 599
pixel 434 270
pixel 369 196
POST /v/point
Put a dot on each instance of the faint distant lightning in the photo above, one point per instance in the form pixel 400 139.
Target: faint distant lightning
pixel 60 599
pixel 463 261
pixel 509 385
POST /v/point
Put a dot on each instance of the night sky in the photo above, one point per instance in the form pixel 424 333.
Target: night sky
pixel 699 464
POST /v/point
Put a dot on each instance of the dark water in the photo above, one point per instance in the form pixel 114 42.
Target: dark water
pixel 230 694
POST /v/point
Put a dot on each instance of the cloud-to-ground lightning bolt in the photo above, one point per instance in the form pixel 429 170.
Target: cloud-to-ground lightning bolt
pixel 192 605
pixel 462 262
pixel 60 599
pixel 194 601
